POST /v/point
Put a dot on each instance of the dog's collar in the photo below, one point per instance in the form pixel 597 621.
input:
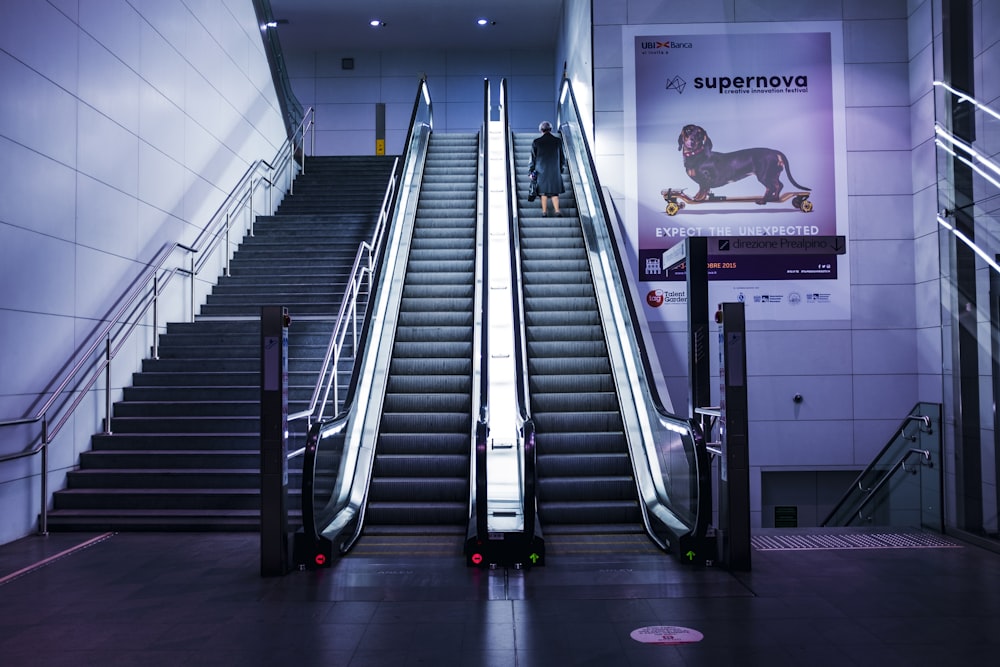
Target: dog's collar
pixel 688 153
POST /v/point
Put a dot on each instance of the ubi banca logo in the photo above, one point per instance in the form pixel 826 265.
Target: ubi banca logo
pixel 664 43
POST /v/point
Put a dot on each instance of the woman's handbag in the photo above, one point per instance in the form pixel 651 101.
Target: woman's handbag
pixel 532 185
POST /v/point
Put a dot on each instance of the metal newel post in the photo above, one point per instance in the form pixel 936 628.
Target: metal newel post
pixel 107 385
pixel 192 288
pixel 43 515
pixel 156 326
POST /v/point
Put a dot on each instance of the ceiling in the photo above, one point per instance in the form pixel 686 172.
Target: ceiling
pixel 343 25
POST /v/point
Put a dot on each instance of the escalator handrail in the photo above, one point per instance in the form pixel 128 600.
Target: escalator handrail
pixel 337 424
pixel 520 346
pixel 478 491
pixel 702 515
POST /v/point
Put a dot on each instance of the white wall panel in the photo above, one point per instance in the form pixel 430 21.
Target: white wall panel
pixel 882 262
pixel 108 152
pixel 25 374
pixel 162 66
pixel 824 397
pixel 881 84
pixel 875 41
pixel 786 10
pixel 35 112
pixel 610 11
pixel 879 396
pixel 23 22
pixel 800 444
pixel 799 352
pixel 345 117
pixel 607 46
pixel 108 85
pixel 879 173
pixel 878 128
pixel 114 24
pixel 36 271
pixel 161 180
pixel 880 217
pixel 38 193
pixel 887 351
pixel 106 217
pixel 354 90
pixel 874 305
pixel 874 9
pixel 161 122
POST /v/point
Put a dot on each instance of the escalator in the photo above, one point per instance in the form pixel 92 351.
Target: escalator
pixel 585 481
pixel 614 462
pixel 420 481
pixel 394 464
pixel 599 454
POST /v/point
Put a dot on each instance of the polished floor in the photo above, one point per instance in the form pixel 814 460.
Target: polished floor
pixel 198 599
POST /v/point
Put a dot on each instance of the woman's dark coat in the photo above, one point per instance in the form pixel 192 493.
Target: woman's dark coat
pixel 547 159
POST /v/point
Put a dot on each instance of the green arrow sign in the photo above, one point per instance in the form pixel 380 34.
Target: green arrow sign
pixel 690 555
pixel 534 558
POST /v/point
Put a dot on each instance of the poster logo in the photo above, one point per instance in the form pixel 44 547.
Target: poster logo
pixel 662 46
pixel 677 84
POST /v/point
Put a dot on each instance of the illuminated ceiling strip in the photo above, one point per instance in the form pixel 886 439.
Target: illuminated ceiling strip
pixel 955 141
pixel 962 97
pixel 970 165
pixel 965 239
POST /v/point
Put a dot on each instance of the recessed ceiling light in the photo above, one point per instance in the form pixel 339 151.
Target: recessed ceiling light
pixel 375 23
pixel 486 22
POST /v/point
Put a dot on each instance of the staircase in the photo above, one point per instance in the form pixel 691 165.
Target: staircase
pixel 420 480
pixel 585 482
pixel 184 447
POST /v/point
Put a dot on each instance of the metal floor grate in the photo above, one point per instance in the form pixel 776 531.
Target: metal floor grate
pixel 880 540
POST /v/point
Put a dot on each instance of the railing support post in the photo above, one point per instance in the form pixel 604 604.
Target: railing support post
pixel 43 513
pixel 156 320
pixel 107 386
pixel 192 287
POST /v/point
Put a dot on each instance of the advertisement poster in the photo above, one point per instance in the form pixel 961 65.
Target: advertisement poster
pixel 735 132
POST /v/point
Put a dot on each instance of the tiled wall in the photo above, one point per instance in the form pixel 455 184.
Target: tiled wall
pixel 123 125
pixel 860 377
pixel 345 100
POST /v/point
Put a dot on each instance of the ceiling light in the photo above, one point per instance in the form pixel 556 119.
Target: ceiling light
pixel 486 22
pixel 375 23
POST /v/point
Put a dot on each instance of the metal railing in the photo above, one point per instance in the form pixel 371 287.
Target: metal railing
pixel 359 284
pixel 882 495
pixel 333 498
pixel 141 299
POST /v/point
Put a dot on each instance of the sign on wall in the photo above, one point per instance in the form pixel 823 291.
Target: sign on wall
pixel 735 131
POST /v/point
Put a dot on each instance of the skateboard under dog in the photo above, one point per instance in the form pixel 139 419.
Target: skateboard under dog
pixel 677 199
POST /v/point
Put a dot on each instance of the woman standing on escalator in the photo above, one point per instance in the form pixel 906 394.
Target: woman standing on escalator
pixel 547 163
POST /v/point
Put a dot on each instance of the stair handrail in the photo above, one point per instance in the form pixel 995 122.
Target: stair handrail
pixel 366 260
pixel 872 492
pixel 291 154
pixel 924 425
pixel 363 268
pixel 140 297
